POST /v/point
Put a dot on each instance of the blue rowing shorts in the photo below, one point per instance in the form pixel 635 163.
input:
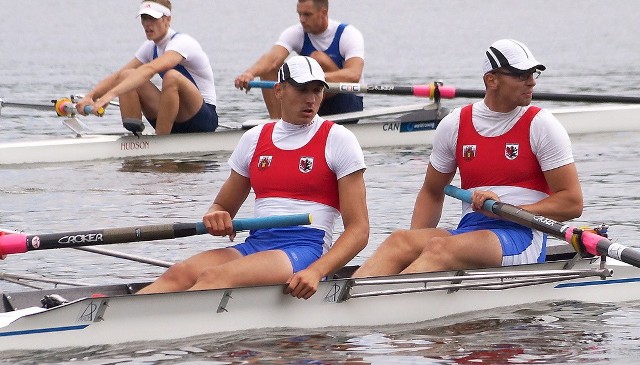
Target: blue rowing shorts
pixel 518 244
pixel 341 103
pixel 302 245
pixel 205 120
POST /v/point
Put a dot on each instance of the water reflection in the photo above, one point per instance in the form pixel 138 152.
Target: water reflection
pixel 194 164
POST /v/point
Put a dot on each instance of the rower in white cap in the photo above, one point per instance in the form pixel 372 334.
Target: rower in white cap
pixel 185 103
pixel 299 164
pixel 506 150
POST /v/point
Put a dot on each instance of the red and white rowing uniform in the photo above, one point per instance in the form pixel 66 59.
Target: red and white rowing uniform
pixel 294 169
pixel 503 152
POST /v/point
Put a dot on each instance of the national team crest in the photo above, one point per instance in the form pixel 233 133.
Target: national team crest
pixel 264 162
pixel 469 151
pixel 511 150
pixel 306 164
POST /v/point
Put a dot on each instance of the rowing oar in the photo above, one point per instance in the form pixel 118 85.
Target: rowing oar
pixel 449 92
pixel 20 243
pixel 45 107
pixel 63 107
pixel 586 241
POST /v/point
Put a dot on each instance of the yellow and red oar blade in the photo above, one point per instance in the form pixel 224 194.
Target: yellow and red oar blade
pixel 592 243
pixel 20 243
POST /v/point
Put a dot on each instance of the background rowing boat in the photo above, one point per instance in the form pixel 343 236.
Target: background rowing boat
pixel 409 43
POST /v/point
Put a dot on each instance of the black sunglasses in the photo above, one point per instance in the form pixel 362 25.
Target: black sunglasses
pixel 522 76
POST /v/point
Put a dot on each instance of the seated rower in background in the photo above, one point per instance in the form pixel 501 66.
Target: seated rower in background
pixel 299 164
pixel 338 48
pixel 505 150
pixel 187 100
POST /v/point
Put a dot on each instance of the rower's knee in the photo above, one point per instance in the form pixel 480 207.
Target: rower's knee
pixel 435 255
pixel 403 242
pixel 179 276
pixel 213 278
pixel 402 247
pixel 171 79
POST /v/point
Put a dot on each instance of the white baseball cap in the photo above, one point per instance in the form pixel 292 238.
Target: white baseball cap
pixel 511 55
pixel 299 70
pixel 154 9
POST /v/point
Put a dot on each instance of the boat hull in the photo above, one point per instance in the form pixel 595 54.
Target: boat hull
pixel 370 134
pixel 403 299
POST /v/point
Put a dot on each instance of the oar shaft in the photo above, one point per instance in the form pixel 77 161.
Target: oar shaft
pixel 20 243
pixel 450 92
pixel 355 88
pixel 593 243
pixel 46 107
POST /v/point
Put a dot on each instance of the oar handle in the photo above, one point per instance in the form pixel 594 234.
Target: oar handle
pixel 465 196
pixel 274 221
pixel 260 84
pixel 65 107
pixel 20 243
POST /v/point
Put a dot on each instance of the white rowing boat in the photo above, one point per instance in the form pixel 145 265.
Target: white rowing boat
pixel 374 133
pixel 119 317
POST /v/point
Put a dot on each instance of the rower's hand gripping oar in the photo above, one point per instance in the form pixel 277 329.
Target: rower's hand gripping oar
pixel 20 243
pixel 436 90
pixel 585 241
pixel 67 107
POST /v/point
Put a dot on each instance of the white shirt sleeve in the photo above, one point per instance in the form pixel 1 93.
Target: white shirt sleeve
pixel 550 141
pixel 351 43
pixel 240 159
pixel 292 38
pixel 344 154
pixel 185 46
pixel 443 153
pixel 144 54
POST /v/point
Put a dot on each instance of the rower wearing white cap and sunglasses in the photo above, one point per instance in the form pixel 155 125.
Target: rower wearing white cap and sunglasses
pixel 185 103
pixel 299 164
pixel 505 150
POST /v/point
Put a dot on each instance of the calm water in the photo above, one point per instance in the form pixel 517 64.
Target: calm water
pixel 52 49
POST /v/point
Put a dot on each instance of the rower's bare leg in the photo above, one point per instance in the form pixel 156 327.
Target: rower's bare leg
pixel 397 252
pixel 131 102
pixel 180 100
pixel 262 268
pixel 183 275
pixel 478 249
pixel 269 96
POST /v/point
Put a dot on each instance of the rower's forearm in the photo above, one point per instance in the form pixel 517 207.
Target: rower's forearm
pixel 346 247
pixel 141 75
pixel 102 87
pixel 560 207
pixel 426 211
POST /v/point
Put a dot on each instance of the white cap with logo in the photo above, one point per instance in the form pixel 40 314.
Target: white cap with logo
pixel 299 70
pixel 511 55
pixel 154 9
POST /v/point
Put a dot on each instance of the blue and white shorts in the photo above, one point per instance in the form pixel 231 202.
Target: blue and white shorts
pixel 519 245
pixel 302 245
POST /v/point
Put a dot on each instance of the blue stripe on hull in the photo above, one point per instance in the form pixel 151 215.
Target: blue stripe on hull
pixel 598 282
pixel 44 330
